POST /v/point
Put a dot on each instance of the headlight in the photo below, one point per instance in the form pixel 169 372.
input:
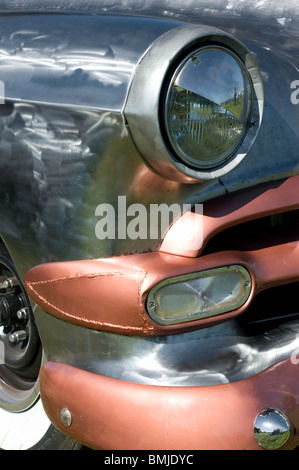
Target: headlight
pixel 208 107
pixel 195 104
pixel 199 295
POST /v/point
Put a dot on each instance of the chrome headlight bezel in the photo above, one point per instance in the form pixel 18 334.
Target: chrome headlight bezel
pixel 145 107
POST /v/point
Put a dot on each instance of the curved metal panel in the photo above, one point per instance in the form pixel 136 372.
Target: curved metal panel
pixel 172 418
pixel 175 8
pixel 74 60
pixel 220 354
pixel 56 162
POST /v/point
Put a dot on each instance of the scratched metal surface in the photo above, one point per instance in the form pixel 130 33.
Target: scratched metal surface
pixel 220 354
pixel 65 149
pixel 57 62
pixel 64 145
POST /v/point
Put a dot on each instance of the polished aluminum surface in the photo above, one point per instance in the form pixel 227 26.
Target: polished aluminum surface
pixel 220 354
pixel 176 8
pixel 272 429
pixel 58 63
pixel 65 150
pixel 57 155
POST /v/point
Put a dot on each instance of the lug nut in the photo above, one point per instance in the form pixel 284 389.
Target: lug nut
pixel 10 282
pixel 22 314
pixel 18 336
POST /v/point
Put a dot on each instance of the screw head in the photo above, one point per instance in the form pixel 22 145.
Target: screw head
pixel 66 417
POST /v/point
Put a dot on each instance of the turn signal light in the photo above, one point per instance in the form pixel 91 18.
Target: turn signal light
pixel 199 295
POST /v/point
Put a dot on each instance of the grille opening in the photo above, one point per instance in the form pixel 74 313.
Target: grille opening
pixel 256 234
pixel 271 308
pixel 276 305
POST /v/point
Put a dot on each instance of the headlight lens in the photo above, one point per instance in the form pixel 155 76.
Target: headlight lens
pixel 199 295
pixel 208 107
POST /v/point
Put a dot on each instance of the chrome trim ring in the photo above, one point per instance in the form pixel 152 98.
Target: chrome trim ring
pixel 143 106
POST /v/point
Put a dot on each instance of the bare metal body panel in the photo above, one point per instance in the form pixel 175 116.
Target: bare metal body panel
pixel 70 144
pixel 66 148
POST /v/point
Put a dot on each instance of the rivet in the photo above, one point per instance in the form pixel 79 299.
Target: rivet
pixel 66 417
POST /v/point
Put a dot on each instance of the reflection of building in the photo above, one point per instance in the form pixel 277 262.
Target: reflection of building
pixel 202 120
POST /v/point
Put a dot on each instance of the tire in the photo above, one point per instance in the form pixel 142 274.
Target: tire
pixel 31 430
pixel 23 421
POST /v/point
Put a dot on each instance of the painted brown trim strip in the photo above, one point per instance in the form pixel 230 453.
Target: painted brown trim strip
pixel 110 294
pixel 113 414
pixel 227 211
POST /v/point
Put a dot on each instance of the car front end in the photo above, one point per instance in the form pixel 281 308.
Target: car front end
pixel 149 237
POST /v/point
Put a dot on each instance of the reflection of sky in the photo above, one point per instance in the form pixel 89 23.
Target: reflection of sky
pixel 213 74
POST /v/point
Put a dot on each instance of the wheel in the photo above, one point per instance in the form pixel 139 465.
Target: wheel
pixel 23 421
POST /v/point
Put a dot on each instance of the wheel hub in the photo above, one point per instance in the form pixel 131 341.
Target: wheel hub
pixel 16 326
pixel 19 341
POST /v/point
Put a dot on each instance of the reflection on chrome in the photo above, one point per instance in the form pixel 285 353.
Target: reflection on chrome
pixel 208 107
pixel 271 429
pixel 209 125
pixel 220 354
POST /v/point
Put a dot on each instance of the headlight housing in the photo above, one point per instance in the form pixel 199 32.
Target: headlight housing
pixel 195 104
pixel 208 107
